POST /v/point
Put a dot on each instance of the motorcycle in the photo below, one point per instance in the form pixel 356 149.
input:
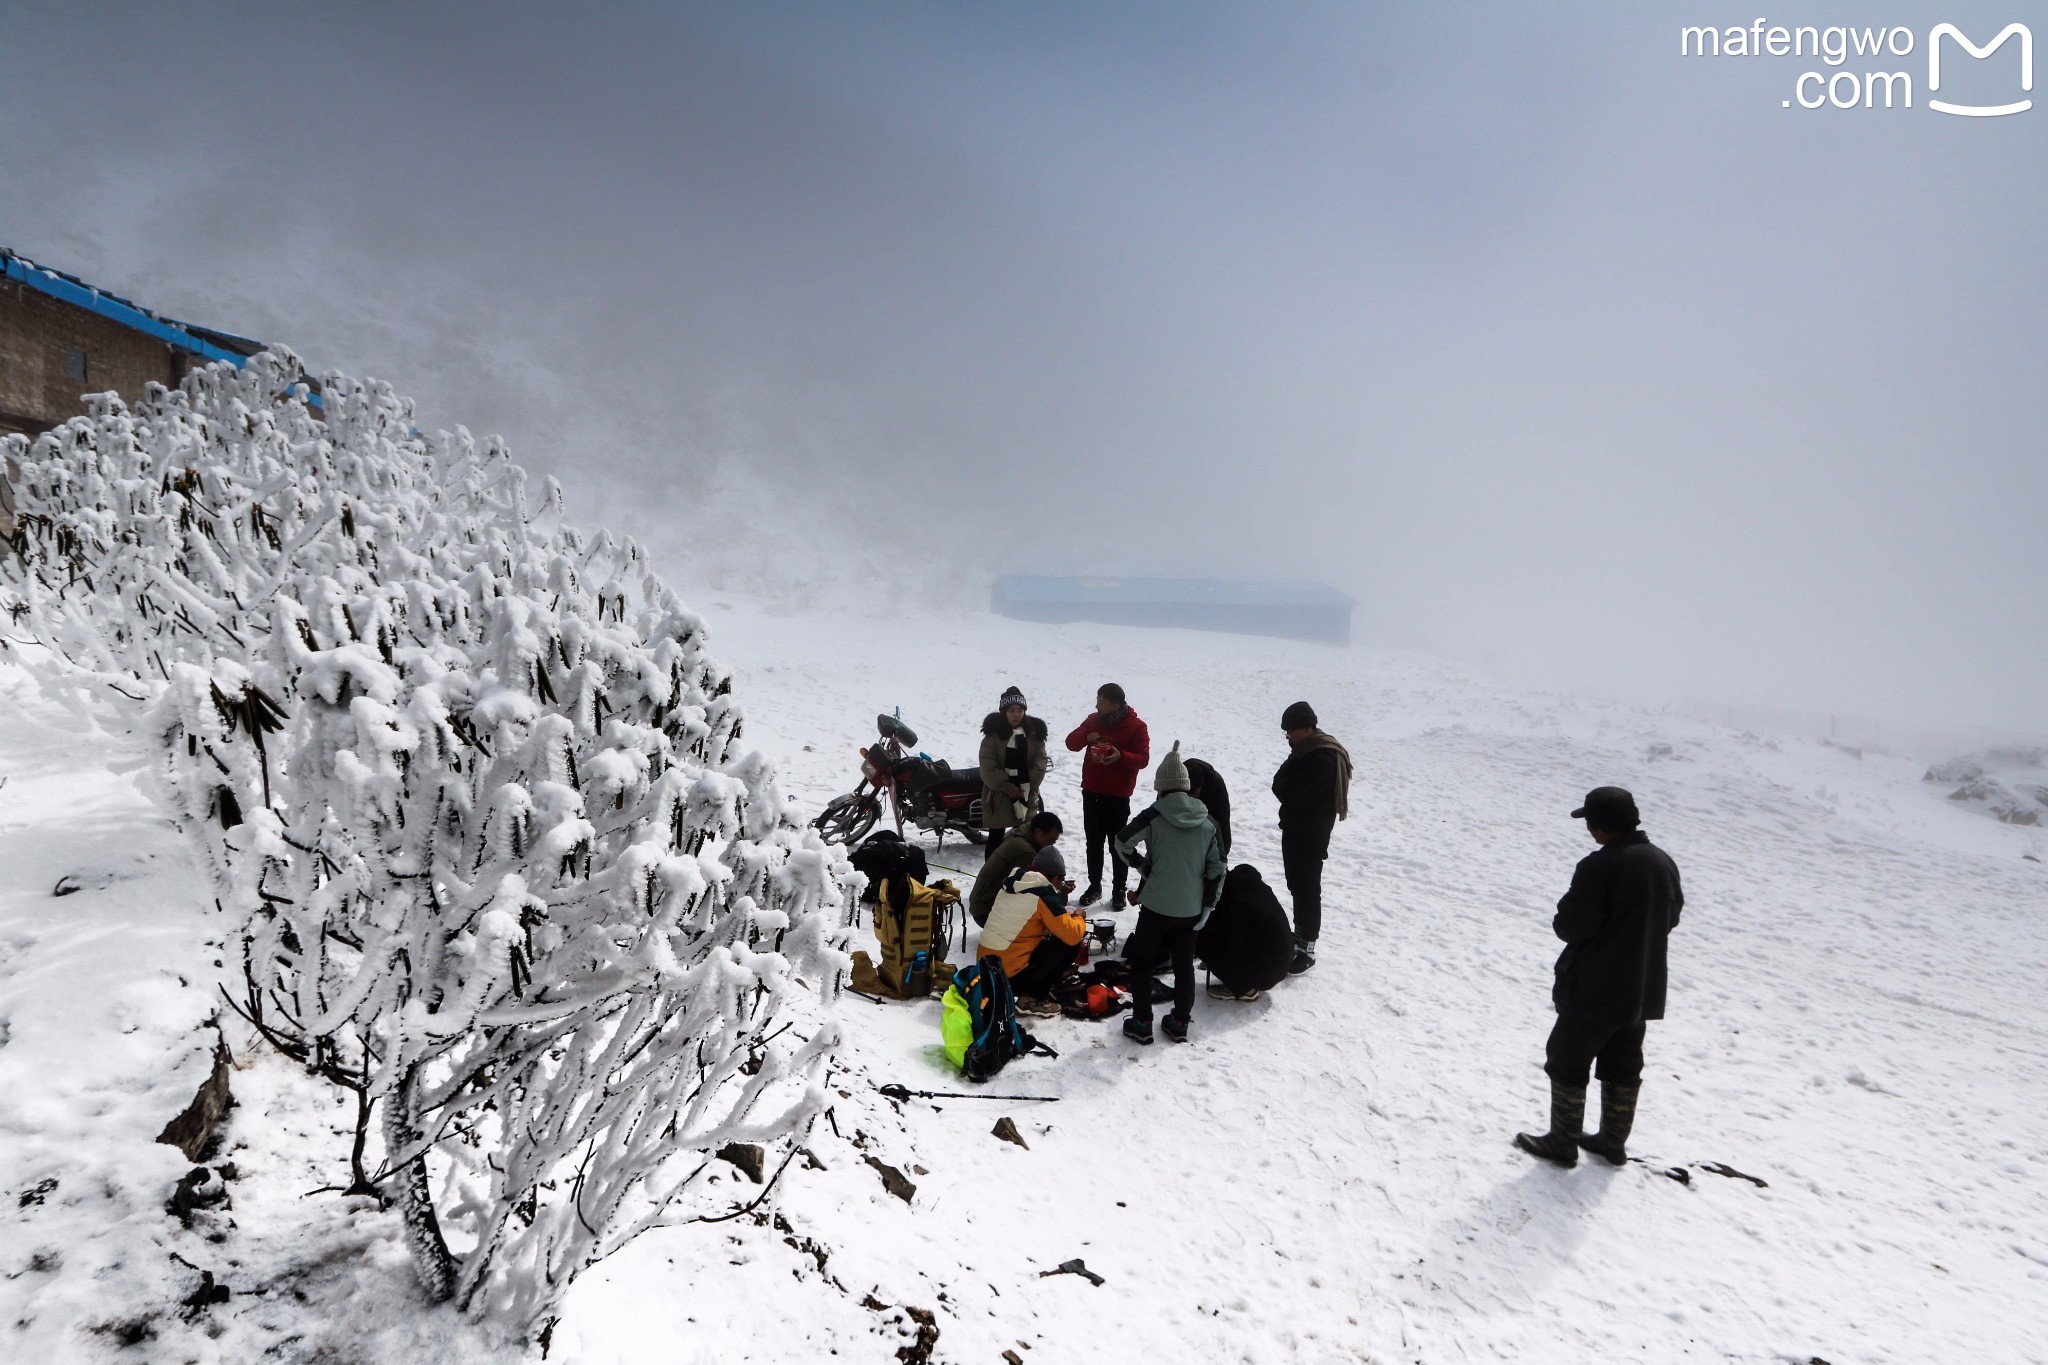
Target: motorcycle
pixel 923 791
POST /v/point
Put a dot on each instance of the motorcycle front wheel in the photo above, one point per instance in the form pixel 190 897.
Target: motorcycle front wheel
pixel 847 819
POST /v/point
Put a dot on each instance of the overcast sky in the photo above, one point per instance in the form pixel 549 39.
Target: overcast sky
pixel 1563 352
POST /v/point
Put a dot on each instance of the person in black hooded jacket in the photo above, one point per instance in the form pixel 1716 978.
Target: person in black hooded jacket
pixel 1616 921
pixel 1013 764
pixel 1206 786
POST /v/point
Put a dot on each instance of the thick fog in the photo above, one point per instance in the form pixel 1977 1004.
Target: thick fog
pixel 1598 365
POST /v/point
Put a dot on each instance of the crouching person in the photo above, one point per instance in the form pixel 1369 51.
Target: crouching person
pixel 1183 868
pixel 1031 932
pixel 1009 857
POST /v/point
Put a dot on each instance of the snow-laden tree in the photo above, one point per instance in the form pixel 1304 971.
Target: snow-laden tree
pixel 468 779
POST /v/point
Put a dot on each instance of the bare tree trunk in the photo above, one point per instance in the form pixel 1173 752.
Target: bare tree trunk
pixel 415 1199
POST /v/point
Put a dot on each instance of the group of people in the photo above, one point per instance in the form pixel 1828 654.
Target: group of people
pixel 1025 902
pixel 1615 919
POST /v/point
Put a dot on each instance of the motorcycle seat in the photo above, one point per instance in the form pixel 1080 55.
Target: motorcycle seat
pixel 957 781
pixel 941 778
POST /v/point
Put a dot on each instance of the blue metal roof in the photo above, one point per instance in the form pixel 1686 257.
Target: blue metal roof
pixel 1216 592
pixel 202 341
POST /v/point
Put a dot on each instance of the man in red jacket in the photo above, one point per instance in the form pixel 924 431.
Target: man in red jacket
pixel 1118 748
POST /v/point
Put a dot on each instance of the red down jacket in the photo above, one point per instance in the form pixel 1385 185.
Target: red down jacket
pixel 1133 743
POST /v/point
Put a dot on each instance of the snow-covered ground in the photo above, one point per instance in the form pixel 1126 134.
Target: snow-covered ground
pixel 1325 1175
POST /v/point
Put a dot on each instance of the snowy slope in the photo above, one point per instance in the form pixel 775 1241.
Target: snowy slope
pixel 1325 1175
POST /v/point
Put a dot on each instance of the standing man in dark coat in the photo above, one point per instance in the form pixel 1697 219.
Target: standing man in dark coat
pixel 1623 904
pixel 1314 787
pixel 1118 747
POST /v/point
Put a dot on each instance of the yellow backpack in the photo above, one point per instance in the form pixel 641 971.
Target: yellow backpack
pixel 907 935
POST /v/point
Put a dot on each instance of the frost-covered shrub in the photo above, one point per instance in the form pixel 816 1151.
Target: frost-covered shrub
pixel 468 779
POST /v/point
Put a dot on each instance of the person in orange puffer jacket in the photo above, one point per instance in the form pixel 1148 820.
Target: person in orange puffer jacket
pixel 1031 932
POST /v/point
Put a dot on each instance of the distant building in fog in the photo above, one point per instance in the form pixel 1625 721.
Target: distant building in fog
pixel 1295 611
pixel 60 338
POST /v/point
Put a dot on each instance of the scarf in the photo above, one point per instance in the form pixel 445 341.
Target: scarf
pixel 1319 740
pixel 1017 755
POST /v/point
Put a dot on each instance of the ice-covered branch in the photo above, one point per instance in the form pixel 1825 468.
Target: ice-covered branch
pixel 467 777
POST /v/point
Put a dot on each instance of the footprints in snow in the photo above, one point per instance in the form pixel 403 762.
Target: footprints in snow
pixel 128 869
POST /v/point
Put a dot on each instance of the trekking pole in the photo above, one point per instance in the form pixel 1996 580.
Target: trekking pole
pixel 897 1092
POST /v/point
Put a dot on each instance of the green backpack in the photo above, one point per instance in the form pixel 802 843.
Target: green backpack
pixel 978 1020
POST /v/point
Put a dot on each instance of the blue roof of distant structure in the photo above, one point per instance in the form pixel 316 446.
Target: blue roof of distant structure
pixel 202 341
pixel 1219 592
pixel 1299 611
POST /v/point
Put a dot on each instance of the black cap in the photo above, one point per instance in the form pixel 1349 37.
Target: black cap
pixel 1609 808
pixel 1299 716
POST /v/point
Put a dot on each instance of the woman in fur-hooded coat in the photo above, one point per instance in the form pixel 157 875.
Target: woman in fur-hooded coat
pixel 1013 764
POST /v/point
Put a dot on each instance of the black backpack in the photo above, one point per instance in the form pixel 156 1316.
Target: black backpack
pixel 883 856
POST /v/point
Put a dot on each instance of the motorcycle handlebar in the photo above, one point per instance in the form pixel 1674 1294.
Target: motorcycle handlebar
pixel 888 727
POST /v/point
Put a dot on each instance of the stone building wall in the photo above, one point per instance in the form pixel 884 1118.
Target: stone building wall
pixel 51 352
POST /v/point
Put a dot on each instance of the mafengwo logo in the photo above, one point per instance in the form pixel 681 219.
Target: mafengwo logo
pixel 1846 87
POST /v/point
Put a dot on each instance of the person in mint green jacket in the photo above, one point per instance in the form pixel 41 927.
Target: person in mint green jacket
pixel 1183 870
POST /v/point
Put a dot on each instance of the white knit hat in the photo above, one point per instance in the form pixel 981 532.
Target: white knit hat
pixel 1173 774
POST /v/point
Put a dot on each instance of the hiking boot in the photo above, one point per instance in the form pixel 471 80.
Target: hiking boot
pixel 1175 1028
pixel 1303 960
pixel 1617 1118
pixel 1219 991
pixel 1038 1007
pixel 1138 1030
pixel 1567 1116
pixel 1092 894
pixel 1549 1146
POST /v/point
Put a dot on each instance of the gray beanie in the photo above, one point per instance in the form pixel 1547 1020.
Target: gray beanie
pixel 1173 774
pixel 1049 861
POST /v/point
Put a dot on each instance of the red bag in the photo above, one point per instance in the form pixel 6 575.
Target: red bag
pixel 1092 1001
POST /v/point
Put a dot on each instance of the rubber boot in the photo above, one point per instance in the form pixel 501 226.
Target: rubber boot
pixel 1617 1117
pixel 1567 1117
